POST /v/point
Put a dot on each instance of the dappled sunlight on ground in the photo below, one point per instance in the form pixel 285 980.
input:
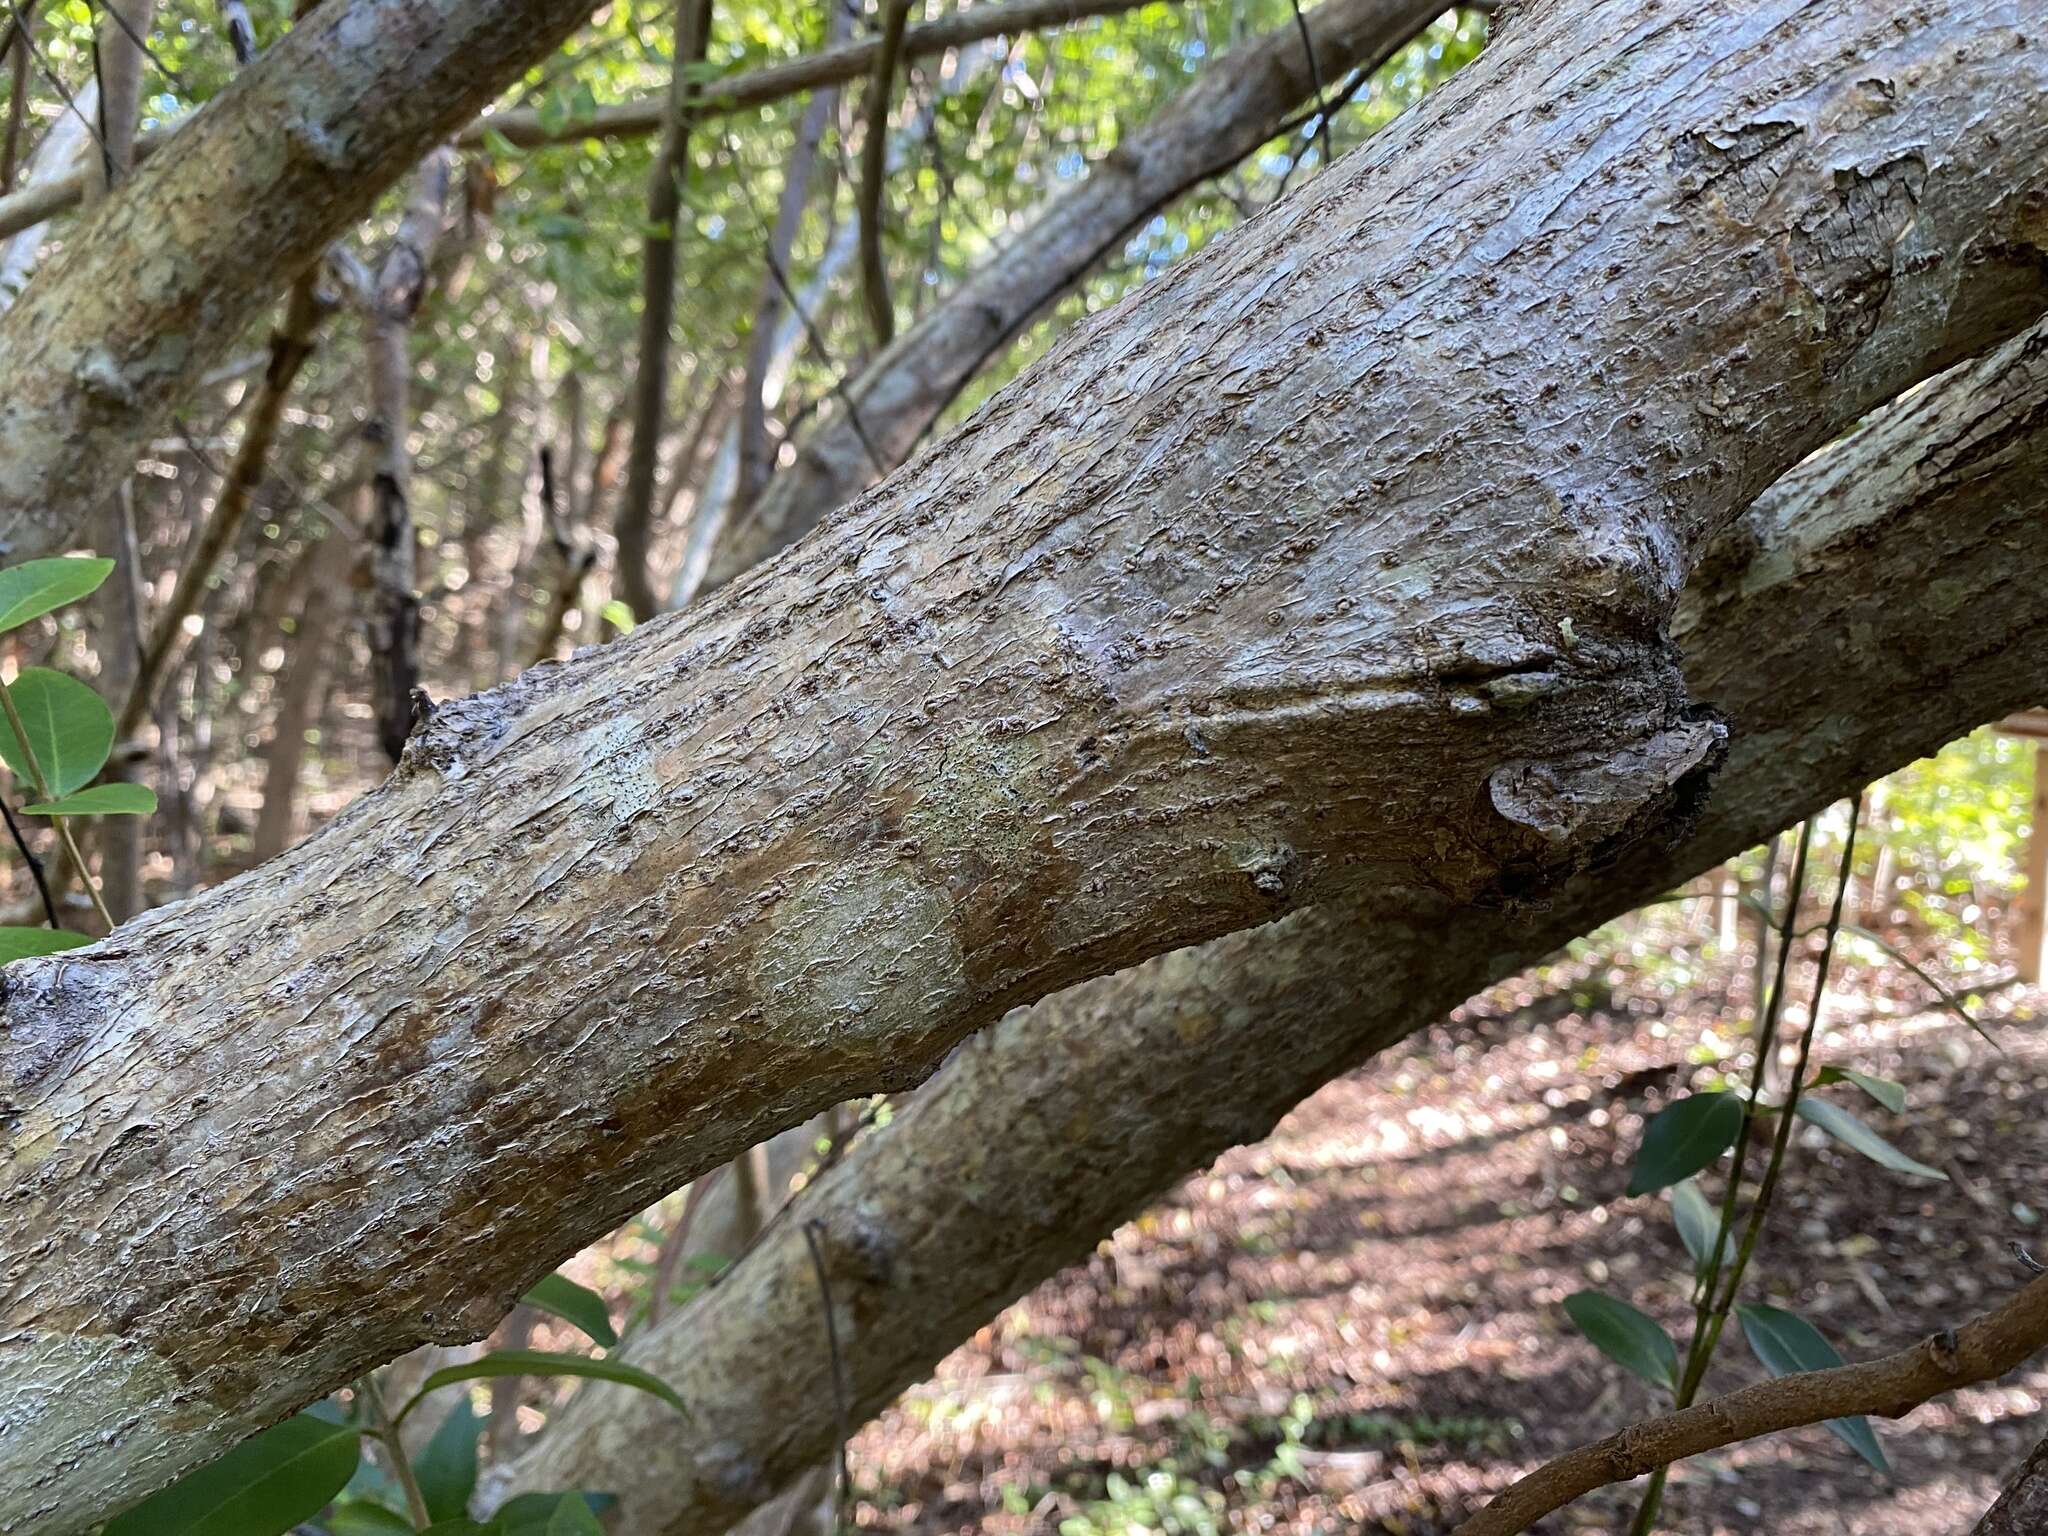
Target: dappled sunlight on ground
pixel 1357 1322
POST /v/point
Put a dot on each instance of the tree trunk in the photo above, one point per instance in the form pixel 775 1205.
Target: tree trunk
pixel 390 303
pixel 1230 110
pixel 2022 1509
pixel 155 285
pixel 1046 1131
pixel 299 693
pixel 1337 560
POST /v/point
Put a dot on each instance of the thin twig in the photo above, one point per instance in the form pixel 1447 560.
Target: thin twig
pixel 874 167
pixel 394 1452
pixel 35 869
pixel 1315 77
pixel 1889 1387
pixel 839 1400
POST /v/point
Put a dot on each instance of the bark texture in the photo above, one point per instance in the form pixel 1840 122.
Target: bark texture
pixel 1337 560
pixel 155 285
pixel 1812 625
pixel 1229 111
pixel 2022 1509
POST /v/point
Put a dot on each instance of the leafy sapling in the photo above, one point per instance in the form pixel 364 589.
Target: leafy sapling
pixel 55 740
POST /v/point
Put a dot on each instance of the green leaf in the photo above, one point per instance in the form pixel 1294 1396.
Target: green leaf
pixel 70 729
pixel 100 800
pixel 1853 1133
pixel 263 1487
pixel 1786 1344
pixel 362 1517
pixel 1698 1222
pixel 572 1517
pixel 619 614
pixel 21 943
pixel 1626 1336
pixel 445 1468
pixel 559 1296
pixel 1685 1137
pixel 536 1362
pixel 462 1525
pixel 33 588
pixel 531 1513
pixel 1888 1093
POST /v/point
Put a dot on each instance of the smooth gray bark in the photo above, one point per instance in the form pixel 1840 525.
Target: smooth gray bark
pixel 1338 560
pixel 1811 624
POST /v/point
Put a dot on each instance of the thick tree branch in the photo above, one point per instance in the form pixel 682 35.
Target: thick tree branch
pixel 1339 559
pixel 1064 1119
pixel 1983 1349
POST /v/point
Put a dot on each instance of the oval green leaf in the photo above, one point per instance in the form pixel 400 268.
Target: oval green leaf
pixel 33 588
pixel 1786 1344
pixel 1857 1136
pixel 1683 1138
pixel 1626 1336
pixel 578 1305
pixel 21 943
pixel 100 800
pixel 263 1487
pixel 445 1468
pixel 1888 1093
pixel 537 1362
pixel 1697 1221
pixel 70 729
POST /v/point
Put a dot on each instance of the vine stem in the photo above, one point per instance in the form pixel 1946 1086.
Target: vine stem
pixel 394 1452
pixel 35 772
pixel 35 865
pixel 1698 1351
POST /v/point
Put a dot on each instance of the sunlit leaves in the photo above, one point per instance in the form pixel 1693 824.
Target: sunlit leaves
pixel 35 587
pixel 1888 1093
pixel 70 730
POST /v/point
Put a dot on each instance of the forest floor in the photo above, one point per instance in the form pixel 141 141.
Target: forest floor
pixel 1356 1324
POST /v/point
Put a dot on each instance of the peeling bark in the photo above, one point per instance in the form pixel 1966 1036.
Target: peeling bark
pixel 155 285
pixel 2022 1508
pixel 1812 625
pixel 1337 560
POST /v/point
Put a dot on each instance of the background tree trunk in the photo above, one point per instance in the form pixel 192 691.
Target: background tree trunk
pixel 1044 1132
pixel 154 286
pixel 1224 115
pixel 1337 560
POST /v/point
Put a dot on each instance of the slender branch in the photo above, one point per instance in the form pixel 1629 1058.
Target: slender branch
pixel 1707 1319
pixel 874 163
pixel 35 865
pixel 809 72
pixel 1890 1387
pixel 811 1229
pixel 386 1433
pixel 22 33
